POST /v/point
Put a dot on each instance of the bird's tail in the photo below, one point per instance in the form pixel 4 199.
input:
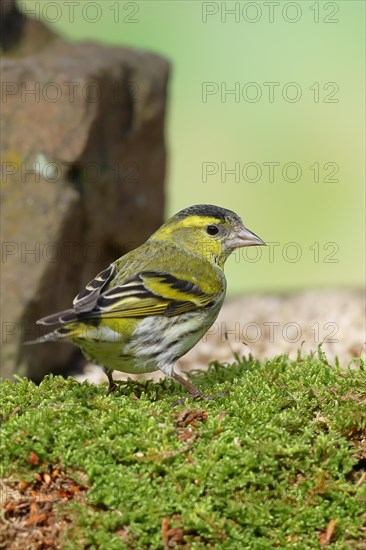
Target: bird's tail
pixel 62 317
pixel 62 334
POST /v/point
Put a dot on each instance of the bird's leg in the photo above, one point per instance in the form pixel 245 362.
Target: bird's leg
pixel 112 385
pixel 192 390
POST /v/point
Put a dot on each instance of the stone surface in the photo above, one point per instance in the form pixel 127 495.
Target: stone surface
pixel 83 168
pixel 21 35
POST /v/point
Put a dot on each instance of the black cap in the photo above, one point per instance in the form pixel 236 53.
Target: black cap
pixel 208 210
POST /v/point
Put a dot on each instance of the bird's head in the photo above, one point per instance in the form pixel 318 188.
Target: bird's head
pixel 209 231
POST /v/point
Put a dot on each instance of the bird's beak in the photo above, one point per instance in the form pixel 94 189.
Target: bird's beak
pixel 241 236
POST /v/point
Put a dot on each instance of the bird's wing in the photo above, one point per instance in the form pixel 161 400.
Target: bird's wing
pixel 148 293
pixel 87 298
pixel 85 301
pixel 153 293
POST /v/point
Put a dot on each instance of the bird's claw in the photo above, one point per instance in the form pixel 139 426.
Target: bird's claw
pixel 111 388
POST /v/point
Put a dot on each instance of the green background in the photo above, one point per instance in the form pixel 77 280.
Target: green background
pixel 282 42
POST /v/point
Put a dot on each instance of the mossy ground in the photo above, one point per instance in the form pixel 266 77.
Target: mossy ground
pixel 277 463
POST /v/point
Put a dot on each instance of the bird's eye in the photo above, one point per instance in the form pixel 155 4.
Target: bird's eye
pixel 212 230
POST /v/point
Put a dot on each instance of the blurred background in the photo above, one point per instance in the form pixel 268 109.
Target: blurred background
pixel 262 113
pixel 233 111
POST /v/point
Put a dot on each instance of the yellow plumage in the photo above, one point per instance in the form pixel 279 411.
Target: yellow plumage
pixel 152 305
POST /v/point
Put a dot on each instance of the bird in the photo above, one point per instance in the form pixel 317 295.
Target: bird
pixel 152 305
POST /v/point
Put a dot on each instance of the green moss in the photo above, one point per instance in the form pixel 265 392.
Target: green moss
pixel 269 465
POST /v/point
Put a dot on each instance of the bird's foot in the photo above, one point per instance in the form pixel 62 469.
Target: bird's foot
pixel 111 388
pixel 112 384
pixel 117 383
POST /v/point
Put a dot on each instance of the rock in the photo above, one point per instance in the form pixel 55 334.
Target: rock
pixel 82 180
pixel 21 35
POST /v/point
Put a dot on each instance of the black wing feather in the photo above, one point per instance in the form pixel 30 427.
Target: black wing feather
pixel 87 299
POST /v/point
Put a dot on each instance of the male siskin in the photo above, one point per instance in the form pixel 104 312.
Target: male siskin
pixel 152 305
